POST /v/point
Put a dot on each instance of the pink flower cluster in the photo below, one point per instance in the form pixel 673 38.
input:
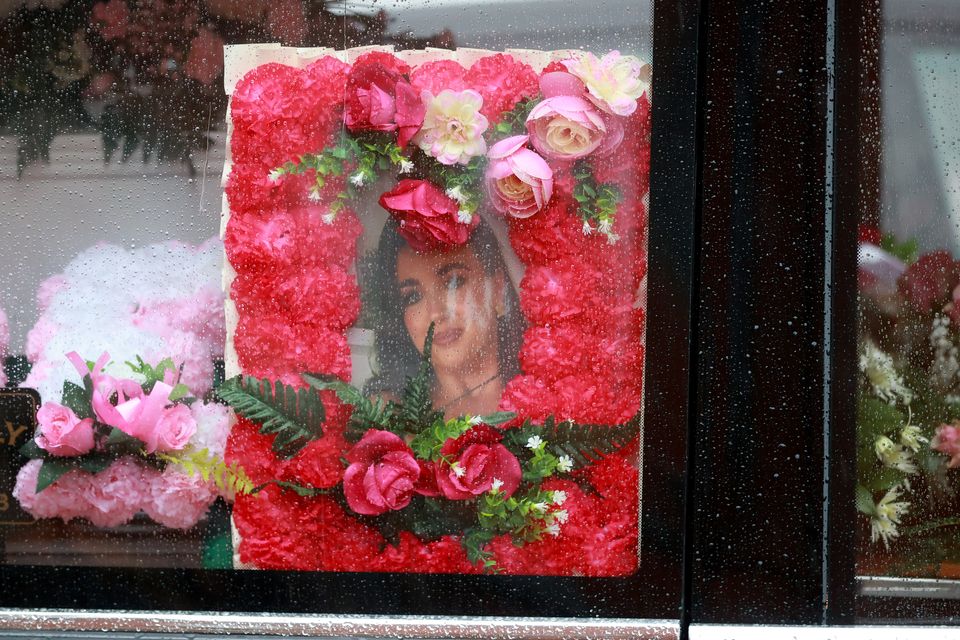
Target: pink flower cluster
pixel 4 343
pixel 115 495
pixel 578 290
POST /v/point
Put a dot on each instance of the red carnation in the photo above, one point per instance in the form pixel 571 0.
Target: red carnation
pixel 382 475
pixel 927 283
pixel 379 99
pixel 472 462
pixel 503 81
pixel 437 75
pixel 428 217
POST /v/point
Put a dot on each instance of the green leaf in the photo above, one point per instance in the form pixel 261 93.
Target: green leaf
pixel 295 418
pixel 118 438
pixel 94 463
pixel 498 418
pixel 180 390
pixel 585 444
pixel 864 501
pixel 367 413
pixel 50 472
pixel 31 449
pixel 417 410
pixel 876 418
pixel 76 399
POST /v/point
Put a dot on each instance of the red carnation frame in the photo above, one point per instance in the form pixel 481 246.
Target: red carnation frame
pixel 577 290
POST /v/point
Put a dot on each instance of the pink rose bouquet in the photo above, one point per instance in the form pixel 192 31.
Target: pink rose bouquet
pixel 96 454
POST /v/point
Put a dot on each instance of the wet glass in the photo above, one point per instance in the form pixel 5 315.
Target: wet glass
pixel 908 403
pixel 438 210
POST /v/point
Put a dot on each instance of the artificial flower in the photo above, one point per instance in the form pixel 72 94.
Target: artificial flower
pixel 886 517
pixel 453 126
pixel 928 283
pixel 380 99
pixel 519 182
pixel 471 463
pixel 886 383
pixel 613 82
pixel 61 432
pixel 382 474
pixel 947 441
pixel 566 128
pixel 427 217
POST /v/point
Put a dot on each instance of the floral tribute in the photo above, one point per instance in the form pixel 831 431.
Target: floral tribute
pixel 115 447
pixel 909 407
pixel 562 154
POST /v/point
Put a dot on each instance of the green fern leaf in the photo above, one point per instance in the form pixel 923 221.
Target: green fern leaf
pixel 226 477
pixel 584 444
pixel 367 413
pixel 295 418
pixel 417 410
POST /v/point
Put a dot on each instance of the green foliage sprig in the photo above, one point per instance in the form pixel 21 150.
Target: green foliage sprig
pixel 514 122
pixel 579 444
pixel 360 159
pixel 227 477
pixel 597 201
pixel 296 416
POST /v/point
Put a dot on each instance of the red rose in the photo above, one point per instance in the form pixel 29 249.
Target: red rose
pixel 928 282
pixel 473 461
pixel 428 218
pixel 382 475
pixel 379 99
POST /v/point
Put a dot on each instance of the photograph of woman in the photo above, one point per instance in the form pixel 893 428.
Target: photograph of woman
pixel 466 292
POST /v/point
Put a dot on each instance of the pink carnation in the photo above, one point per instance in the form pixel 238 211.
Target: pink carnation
pixel 503 81
pixel 260 242
pixel 328 295
pixel 437 75
pixel 177 500
pixel 114 495
pixel 63 499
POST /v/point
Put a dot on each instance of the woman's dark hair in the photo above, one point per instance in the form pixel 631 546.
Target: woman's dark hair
pixel 396 355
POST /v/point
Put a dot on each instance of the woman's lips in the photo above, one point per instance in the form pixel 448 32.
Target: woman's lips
pixel 446 337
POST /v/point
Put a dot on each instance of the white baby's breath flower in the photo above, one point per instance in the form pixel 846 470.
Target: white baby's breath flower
pixel 534 442
pixel 559 497
pixel 457 469
pixel 605 226
pixel 886 517
pixel 358 179
pixel 405 166
pixel 539 507
pixel 475 420
pixel 878 368
pixel 911 438
pixel 464 216
pixel 497 485
pixel 553 529
pixel 612 238
pixel 587 229
pixel 561 516
pixel 314 195
pixel 564 464
pixel 275 175
pixel 328 218
pixel 457 194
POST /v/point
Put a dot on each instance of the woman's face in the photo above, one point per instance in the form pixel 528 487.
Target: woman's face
pixel 452 290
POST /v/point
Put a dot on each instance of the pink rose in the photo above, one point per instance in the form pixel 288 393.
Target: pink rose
pixel 429 219
pixel 519 181
pixel 382 476
pixel 379 99
pixel 62 433
pixel 478 459
pixel 174 428
pixel 947 441
pixel 927 283
pixel 566 127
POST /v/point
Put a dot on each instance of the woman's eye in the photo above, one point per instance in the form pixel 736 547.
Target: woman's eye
pixel 410 297
pixel 456 281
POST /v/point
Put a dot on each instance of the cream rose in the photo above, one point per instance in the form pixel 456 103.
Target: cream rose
pixel 613 82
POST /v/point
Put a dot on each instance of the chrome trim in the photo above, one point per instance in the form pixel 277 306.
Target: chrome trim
pixel 325 626
pixel 770 632
pixel 893 587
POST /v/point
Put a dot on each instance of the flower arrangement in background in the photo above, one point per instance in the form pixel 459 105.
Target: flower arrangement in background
pixel 162 299
pixel 113 447
pixel 146 75
pixel 909 405
pixel 302 149
pixel 4 344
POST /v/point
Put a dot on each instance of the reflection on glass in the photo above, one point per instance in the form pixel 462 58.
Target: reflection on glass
pixel 909 285
pixel 478 411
